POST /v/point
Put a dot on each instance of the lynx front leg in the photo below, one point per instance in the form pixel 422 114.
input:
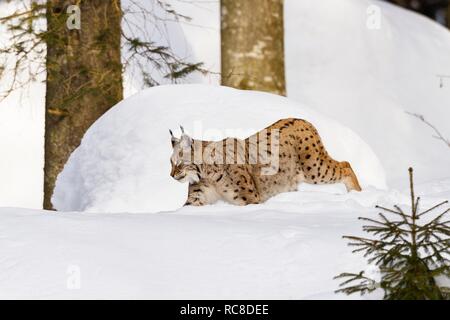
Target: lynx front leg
pixel 242 189
pixel 201 194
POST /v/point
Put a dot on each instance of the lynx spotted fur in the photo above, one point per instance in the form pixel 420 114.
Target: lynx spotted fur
pixel 251 171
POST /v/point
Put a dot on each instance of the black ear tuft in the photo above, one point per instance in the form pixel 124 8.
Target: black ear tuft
pixel 173 140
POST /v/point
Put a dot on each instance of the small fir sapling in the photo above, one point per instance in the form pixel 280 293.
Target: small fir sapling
pixel 411 250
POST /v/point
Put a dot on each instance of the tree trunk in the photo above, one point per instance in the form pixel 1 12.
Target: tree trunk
pixel 253 45
pixel 84 78
pixel 448 16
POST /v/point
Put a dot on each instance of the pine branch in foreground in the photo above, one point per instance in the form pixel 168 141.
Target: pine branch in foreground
pixel 411 250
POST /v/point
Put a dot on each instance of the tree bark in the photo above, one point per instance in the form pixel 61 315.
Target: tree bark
pixel 448 16
pixel 84 78
pixel 252 45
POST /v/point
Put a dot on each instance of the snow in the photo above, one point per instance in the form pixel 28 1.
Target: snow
pixel 289 248
pixel 22 113
pixel 354 83
pixel 367 78
pixel 148 21
pixel 21 135
pixel 123 162
pixel 339 63
pixel 364 78
pixel 205 254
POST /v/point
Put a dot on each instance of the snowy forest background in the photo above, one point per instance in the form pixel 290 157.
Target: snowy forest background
pixel 372 76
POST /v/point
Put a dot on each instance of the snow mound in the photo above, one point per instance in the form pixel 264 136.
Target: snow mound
pixel 122 164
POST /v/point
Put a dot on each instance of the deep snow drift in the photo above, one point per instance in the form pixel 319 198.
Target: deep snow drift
pixel 288 248
pixel 123 162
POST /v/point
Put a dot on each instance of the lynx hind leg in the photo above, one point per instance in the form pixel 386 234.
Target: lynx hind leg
pixel 200 194
pixel 349 177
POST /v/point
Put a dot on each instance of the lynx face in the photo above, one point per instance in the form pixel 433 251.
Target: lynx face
pixel 183 168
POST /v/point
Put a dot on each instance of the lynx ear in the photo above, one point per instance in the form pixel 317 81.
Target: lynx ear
pixel 185 141
pixel 173 140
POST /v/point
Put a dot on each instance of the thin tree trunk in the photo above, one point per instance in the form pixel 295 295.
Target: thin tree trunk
pixel 84 78
pixel 253 45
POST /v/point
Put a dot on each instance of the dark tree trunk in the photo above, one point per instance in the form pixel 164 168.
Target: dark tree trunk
pixel 253 45
pixel 448 16
pixel 84 78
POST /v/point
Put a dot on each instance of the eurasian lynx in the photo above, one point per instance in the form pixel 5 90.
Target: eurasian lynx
pixel 265 164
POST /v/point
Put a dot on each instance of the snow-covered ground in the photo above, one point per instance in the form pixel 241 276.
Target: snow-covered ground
pixel 353 82
pixel 290 247
pixel 287 248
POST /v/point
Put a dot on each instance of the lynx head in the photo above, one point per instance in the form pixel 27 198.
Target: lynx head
pixel 183 167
